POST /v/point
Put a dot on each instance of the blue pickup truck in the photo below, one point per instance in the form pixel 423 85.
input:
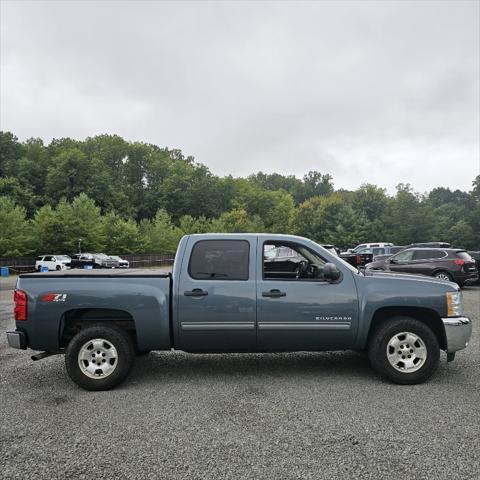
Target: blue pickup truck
pixel 226 296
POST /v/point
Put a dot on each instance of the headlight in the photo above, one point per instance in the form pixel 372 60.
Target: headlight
pixel 455 304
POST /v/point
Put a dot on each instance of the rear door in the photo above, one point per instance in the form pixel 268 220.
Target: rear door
pixel 216 295
pixel 425 260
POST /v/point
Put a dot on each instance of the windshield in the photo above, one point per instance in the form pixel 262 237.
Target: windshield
pixel 102 256
pixel 343 262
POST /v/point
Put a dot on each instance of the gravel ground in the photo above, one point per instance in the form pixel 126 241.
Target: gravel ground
pixel 279 416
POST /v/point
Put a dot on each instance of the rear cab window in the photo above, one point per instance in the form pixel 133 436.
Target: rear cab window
pixel 220 260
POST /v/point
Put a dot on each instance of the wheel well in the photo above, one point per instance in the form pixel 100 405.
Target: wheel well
pixel 75 320
pixel 443 270
pixel 425 315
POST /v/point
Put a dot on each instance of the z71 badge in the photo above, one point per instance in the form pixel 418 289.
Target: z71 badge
pixel 54 297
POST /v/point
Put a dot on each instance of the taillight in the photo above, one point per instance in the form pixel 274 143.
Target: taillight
pixel 459 261
pixel 358 259
pixel 20 309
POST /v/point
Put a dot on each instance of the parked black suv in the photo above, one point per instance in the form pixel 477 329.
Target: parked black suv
pixel 451 264
pixel 94 260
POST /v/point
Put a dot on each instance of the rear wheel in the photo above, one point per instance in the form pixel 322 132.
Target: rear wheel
pixel 58 267
pixel 443 276
pixel 99 357
pixel 404 350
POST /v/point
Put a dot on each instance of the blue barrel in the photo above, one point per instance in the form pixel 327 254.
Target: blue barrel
pixel 44 269
pixel 88 267
pixel 4 272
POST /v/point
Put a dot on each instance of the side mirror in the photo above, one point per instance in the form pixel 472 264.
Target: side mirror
pixel 391 260
pixel 331 272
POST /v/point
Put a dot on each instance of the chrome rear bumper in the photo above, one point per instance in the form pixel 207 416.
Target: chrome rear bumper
pixel 17 340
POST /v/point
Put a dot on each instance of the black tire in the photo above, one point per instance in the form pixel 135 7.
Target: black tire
pixel 112 335
pixel 39 268
pixel 379 341
pixel 443 273
pixel 58 267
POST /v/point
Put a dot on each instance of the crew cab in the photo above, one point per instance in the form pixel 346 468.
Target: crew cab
pixel 226 296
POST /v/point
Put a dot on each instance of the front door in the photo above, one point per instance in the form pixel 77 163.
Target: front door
pixel 49 262
pixel 216 296
pixel 402 262
pixel 296 308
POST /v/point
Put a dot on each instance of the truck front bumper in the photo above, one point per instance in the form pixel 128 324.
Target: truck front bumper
pixel 17 339
pixel 458 331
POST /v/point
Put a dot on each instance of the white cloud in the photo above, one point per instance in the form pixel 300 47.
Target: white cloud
pixel 382 92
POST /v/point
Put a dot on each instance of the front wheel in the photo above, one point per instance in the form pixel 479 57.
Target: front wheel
pixel 404 350
pixel 99 357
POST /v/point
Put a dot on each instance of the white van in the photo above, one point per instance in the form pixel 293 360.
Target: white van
pixel 53 262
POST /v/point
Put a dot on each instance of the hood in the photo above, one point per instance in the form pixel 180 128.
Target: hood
pixel 409 277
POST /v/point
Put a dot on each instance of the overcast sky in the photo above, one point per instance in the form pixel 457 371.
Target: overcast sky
pixel 379 91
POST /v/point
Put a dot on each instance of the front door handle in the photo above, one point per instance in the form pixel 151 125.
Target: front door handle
pixel 196 292
pixel 275 293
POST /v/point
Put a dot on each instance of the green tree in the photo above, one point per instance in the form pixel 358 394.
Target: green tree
pixel 10 151
pixel 15 233
pixel 407 218
pixel 80 219
pixel 462 235
pixel 161 234
pixel 237 220
pixel 20 194
pixel 370 200
pixel 122 236
pixel 189 225
pixel 50 231
pixel 329 219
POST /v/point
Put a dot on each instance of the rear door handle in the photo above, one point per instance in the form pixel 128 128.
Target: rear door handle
pixel 275 293
pixel 196 292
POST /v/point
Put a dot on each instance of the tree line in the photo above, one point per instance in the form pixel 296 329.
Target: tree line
pixel 132 197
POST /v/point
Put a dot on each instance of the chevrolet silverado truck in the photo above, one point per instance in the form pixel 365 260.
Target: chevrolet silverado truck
pixel 225 296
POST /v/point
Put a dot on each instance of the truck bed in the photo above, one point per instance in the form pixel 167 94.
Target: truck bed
pixel 58 299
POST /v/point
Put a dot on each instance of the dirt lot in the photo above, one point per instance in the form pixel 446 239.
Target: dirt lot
pixel 282 416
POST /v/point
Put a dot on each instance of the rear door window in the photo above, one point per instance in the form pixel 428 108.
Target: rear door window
pixel 423 255
pixel 220 260
pixel 428 254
